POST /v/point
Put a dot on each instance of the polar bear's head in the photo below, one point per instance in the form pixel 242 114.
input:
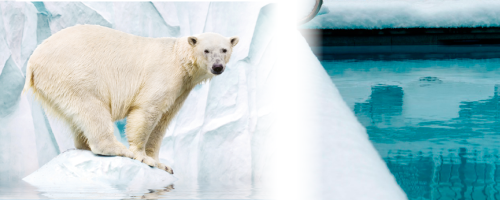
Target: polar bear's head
pixel 212 51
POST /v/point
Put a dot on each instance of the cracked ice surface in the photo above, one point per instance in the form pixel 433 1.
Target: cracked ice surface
pixel 355 14
pixel 224 138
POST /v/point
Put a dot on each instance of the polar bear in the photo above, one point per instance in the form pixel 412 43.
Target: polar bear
pixel 90 76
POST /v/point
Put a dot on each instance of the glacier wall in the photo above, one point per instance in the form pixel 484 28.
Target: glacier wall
pixel 361 14
pixel 273 118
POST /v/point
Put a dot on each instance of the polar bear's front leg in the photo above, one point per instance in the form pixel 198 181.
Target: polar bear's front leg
pixel 140 123
pixel 156 137
pixel 154 142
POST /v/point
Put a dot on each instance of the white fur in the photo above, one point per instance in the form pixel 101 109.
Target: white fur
pixel 90 76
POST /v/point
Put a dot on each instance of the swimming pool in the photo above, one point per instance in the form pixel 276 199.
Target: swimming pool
pixel 434 118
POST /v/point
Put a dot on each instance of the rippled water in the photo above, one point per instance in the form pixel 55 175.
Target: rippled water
pixel 436 122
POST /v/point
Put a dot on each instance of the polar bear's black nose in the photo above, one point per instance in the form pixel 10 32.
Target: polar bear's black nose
pixel 217 68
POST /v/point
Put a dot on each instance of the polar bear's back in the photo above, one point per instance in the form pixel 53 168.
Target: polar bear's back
pixel 90 44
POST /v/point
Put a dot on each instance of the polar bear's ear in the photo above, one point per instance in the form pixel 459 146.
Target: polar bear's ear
pixel 234 40
pixel 192 40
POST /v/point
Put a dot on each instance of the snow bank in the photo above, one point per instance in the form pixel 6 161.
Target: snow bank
pixel 361 14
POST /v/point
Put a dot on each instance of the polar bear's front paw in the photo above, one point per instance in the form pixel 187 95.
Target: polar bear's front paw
pixel 145 159
pixel 166 168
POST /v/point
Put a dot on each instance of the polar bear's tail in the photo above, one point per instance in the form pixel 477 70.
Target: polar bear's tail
pixel 29 78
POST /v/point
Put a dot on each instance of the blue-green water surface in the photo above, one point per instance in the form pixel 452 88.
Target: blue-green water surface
pixel 436 122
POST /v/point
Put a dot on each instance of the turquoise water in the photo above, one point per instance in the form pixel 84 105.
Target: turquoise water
pixel 435 122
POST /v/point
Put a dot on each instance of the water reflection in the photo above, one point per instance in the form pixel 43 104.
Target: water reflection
pixel 155 194
pixel 436 123
pixel 383 108
pixel 463 174
pixel 382 114
pixel 179 190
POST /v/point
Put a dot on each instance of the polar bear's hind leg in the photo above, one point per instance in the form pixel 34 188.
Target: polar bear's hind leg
pixel 97 126
pixel 81 142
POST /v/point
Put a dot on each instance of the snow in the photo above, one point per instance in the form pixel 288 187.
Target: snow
pixel 81 170
pixel 272 118
pixel 361 14
pixel 335 146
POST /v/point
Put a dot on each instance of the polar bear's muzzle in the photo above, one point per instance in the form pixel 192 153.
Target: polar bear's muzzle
pixel 217 69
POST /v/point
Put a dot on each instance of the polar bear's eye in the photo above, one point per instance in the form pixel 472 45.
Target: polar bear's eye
pixel 206 51
pixel 224 50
